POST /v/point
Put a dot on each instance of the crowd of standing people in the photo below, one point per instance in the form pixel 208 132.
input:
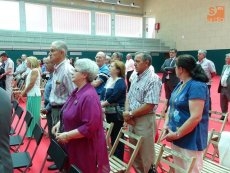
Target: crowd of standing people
pixel 80 95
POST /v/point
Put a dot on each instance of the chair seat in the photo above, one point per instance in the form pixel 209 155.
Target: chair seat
pixel 116 166
pixel 21 159
pixel 212 167
pixel 15 140
pixel 157 151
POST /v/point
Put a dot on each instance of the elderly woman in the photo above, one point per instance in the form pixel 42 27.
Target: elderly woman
pixel 32 91
pixel 81 122
pixel 187 124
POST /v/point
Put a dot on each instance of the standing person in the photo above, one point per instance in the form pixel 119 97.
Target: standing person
pixel 143 96
pixel 117 56
pixel 209 69
pixel 103 73
pixel 62 85
pixel 9 70
pixel 2 71
pixel 81 123
pixel 113 99
pixel 187 123
pixel 224 86
pixel 6 165
pixel 169 78
pixel 33 93
pixel 129 67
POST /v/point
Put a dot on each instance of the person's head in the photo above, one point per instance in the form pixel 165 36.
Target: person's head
pixel 32 62
pixel 172 53
pixel 4 56
pixel 117 69
pixel 85 71
pixel 23 57
pixel 48 64
pixel 100 59
pixel 187 67
pixel 227 59
pixel 201 54
pixel 117 56
pixel 19 61
pixel 58 51
pixel 128 56
pixel 142 61
pixel 108 59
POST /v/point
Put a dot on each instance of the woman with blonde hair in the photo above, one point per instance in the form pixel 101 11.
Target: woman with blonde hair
pixel 32 91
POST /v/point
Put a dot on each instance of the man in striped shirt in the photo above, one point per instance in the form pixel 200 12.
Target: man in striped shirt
pixel 62 85
pixel 143 98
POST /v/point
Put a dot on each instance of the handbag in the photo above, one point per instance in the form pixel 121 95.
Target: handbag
pixel 115 109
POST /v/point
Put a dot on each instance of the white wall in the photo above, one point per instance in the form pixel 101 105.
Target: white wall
pixel 184 22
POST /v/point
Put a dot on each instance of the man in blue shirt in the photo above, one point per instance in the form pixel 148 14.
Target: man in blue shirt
pixel 103 73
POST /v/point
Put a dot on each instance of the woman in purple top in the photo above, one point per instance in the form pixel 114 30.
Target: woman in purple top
pixel 81 124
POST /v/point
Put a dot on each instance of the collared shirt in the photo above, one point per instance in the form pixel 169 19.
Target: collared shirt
pixel 103 75
pixel 9 64
pixel 225 76
pixel 62 85
pixel 129 65
pixel 208 67
pixel 19 69
pixel 145 88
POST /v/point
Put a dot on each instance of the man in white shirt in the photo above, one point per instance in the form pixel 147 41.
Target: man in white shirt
pixel 9 70
pixel 209 69
pixel 129 68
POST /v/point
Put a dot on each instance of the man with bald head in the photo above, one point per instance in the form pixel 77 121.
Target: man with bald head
pixel 103 74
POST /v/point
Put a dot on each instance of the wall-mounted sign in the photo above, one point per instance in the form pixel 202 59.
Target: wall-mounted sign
pixel 216 14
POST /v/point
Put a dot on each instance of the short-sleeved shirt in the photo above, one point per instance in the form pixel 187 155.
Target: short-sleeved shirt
pixel 103 75
pixel 9 64
pixel 208 67
pixel 179 113
pixel 145 88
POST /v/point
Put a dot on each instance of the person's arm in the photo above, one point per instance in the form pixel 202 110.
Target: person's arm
pixel 33 78
pixel 97 82
pixel 212 69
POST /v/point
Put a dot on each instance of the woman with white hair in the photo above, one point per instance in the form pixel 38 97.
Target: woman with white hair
pixel 80 125
pixel 32 91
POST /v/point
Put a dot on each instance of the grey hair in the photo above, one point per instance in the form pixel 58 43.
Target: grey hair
pixel 227 55
pixel 87 66
pixel 202 51
pixel 60 45
pixel 145 57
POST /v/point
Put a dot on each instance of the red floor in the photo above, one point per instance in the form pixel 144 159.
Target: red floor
pixel 45 141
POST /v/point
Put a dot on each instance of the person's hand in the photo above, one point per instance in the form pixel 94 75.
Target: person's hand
pixel 62 137
pixel 44 111
pixel 23 93
pixel 55 128
pixel 170 136
pixel 127 118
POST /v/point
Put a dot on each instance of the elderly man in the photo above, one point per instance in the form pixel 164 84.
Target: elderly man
pixel 6 165
pixel 9 70
pixel 209 69
pixel 224 86
pixel 103 74
pixel 62 85
pixel 143 97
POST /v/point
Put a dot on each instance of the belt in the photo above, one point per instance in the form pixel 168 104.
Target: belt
pixel 56 106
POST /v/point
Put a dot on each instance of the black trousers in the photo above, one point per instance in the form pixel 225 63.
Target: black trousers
pixel 129 73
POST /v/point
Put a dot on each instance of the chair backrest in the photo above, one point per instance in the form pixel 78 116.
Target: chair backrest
pixel 116 164
pixel 108 127
pixel 37 134
pixel 74 169
pixel 57 154
pixel 160 111
pixel 18 113
pixel 170 166
pixel 15 104
pixel 215 118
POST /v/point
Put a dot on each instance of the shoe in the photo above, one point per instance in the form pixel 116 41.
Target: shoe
pixel 49 159
pixel 222 118
pixel 52 167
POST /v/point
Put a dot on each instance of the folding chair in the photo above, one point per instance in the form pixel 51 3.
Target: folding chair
pixel 160 112
pixel 117 165
pixel 17 140
pixel 57 154
pixel 169 165
pixel 24 159
pixel 74 169
pixel 18 113
pixel 108 127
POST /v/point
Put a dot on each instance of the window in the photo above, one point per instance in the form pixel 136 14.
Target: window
pixel 9 18
pixel 128 26
pixel 103 24
pixel 71 21
pixel 36 17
